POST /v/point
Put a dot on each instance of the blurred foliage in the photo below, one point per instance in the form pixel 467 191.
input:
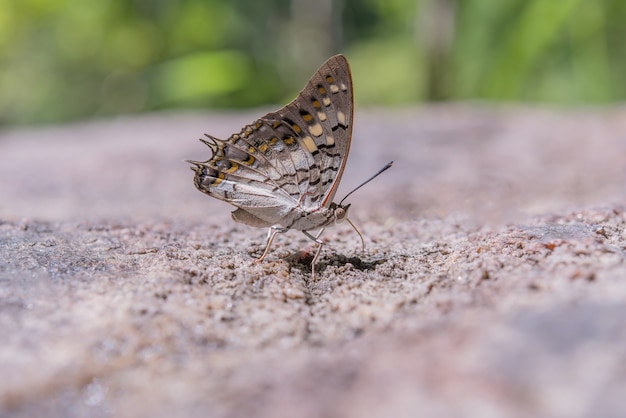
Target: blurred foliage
pixel 69 59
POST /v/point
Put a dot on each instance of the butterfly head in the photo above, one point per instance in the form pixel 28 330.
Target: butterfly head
pixel 341 212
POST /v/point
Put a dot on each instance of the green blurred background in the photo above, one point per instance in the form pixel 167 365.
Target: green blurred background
pixel 65 60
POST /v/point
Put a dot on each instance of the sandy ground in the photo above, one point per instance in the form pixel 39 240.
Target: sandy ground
pixel 493 283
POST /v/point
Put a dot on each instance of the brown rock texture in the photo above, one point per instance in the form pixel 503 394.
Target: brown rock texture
pixel 493 283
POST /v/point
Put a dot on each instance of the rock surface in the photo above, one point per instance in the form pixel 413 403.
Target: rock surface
pixel 493 283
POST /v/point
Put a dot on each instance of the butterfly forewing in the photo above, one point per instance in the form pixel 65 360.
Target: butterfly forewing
pixel 321 118
pixel 287 161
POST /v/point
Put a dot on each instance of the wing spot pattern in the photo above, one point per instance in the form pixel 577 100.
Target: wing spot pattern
pixel 264 148
pixel 306 116
pixel 341 118
pixel 218 179
pixel 316 129
pixel 309 144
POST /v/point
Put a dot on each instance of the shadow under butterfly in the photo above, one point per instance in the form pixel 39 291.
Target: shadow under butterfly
pixel 283 170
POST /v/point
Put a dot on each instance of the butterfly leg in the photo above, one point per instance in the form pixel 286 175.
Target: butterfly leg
pixel 271 234
pixel 319 248
pixel 316 236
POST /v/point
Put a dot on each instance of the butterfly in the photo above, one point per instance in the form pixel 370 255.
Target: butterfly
pixel 283 170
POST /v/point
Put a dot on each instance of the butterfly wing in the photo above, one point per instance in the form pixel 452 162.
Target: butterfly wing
pixel 321 118
pixel 289 159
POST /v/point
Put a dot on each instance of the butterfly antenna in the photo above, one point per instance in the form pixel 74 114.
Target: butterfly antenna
pixel 386 167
